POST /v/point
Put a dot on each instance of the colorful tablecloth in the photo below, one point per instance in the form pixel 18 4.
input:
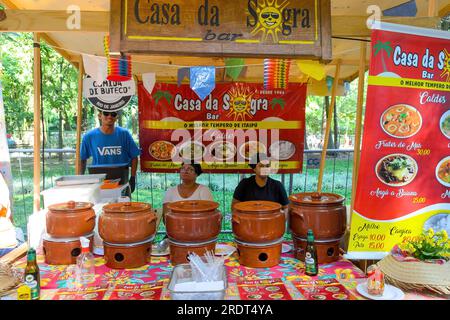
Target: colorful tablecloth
pixel 287 281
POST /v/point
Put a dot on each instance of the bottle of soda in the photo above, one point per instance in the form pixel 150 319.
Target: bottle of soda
pixel 31 275
pixel 311 264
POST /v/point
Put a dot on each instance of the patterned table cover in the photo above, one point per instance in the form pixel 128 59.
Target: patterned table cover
pixel 287 281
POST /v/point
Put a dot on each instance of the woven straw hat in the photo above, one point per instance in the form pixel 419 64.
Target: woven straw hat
pixel 416 275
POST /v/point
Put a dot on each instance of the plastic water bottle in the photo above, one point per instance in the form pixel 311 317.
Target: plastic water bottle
pixel 85 269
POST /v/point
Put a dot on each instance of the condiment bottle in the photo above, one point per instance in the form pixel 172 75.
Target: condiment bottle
pixel 85 269
pixel 31 275
pixel 311 264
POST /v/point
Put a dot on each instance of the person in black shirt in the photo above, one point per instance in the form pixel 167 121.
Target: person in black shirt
pixel 260 186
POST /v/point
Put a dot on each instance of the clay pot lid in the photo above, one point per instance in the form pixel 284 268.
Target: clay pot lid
pixel 71 206
pixel 126 207
pixel 193 206
pixel 316 198
pixel 257 206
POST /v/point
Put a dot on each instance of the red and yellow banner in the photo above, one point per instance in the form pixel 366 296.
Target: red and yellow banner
pixel 224 130
pixel 403 183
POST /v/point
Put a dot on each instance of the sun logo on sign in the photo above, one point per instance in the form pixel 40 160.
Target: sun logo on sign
pixel 269 19
pixel 446 72
pixel 240 103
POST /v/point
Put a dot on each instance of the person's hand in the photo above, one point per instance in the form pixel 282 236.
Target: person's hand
pixel 132 183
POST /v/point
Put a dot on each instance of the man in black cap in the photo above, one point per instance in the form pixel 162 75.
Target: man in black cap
pixel 260 186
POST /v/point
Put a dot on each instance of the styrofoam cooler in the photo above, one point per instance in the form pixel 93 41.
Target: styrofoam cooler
pixel 79 193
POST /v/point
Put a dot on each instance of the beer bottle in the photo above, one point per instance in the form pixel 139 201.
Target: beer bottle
pixel 311 264
pixel 32 277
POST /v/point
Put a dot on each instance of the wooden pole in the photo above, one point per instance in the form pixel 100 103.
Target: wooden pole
pixel 359 109
pixel 37 123
pixel 432 8
pixel 328 127
pixel 79 116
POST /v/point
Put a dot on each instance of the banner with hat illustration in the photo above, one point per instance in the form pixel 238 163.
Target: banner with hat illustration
pixel 224 130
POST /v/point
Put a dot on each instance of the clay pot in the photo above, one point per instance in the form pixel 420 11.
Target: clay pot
pixel 324 213
pixel 127 222
pixel 258 221
pixel 70 219
pixel 179 251
pixel 193 221
pixel 127 256
pixel 259 255
pixel 327 251
pixel 63 251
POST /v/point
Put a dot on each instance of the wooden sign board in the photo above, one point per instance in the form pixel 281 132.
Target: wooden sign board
pixel 243 28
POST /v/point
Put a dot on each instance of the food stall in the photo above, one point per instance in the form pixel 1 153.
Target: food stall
pixel 333 33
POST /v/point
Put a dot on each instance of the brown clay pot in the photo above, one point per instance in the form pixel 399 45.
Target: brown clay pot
pixel 70 219
pixel 127 256
pixel 127 222
pixel 259 255
pixel 63 251
pixel 324 213
pixel 193 221
pixel 179 251
pixel 258 221
pixel 327 251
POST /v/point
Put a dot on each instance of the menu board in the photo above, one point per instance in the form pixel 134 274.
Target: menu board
pixel 267 289
pixel 403 184
pixel 223 131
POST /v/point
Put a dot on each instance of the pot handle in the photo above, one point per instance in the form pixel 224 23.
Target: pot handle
pixel 236 219
pixel 92 216
pixel 299 214
pixel 153 218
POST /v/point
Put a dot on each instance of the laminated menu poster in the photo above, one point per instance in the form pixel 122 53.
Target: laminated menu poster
pixel 223 131
pixel 137 291
pixel 403 183
pixel 327 289
pixel 267 289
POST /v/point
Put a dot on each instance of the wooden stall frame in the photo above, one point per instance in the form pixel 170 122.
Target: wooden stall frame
pixel 79 116
pixel 328 126
pixel 37 125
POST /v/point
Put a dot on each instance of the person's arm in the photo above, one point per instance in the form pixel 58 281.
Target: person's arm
pixel 83 166
pixel 132 180
pixel 238 194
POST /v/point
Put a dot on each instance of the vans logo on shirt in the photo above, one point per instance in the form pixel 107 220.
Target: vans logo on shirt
pixel 110 151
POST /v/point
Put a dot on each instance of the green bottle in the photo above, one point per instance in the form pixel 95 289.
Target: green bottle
pixel 31 276
pixel 311 264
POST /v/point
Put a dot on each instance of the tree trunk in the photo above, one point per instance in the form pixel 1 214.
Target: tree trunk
pixel 60 136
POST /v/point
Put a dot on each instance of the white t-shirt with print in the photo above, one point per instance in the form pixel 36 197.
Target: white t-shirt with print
pixel 201 193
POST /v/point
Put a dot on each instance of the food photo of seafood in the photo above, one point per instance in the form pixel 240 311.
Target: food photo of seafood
pixel 401 121
pixel 443 171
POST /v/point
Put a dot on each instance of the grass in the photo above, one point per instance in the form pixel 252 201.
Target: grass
pixel 152 186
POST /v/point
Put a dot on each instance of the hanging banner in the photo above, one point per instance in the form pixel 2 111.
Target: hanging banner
pixel 403 183
pixel 223 131
pixel 108 95
pixel 5 162
pixel 239 28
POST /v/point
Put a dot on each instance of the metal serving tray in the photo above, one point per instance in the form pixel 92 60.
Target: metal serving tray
pixel 80 179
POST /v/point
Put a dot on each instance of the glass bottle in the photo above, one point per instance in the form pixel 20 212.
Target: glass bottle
pixel 311 264
pixel 31 275
pixel 85 268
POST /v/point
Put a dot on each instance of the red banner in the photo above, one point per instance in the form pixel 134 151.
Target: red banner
pixel 223 131
pixel 403 182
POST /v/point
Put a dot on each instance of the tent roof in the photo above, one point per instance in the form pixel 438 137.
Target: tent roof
pixel 348 51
